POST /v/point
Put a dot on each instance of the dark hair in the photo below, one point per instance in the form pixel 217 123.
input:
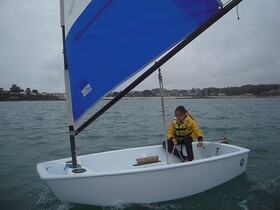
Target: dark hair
pixel 180 109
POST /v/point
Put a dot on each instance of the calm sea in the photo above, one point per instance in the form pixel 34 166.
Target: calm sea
pixel 33 132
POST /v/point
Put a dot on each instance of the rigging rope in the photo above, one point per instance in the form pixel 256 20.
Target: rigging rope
pixel 237 10
pixel 237 13
pixel 161 90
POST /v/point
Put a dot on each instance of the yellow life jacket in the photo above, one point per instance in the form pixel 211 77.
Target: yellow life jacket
pixel 180 129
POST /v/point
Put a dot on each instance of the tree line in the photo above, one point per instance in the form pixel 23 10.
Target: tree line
pixel 18 94
pixel 245 90
pixel 263 90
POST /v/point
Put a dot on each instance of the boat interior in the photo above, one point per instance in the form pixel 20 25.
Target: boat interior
pixel 127 159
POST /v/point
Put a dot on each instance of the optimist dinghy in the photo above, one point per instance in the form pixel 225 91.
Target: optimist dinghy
pixel 114 177
pixel 106 42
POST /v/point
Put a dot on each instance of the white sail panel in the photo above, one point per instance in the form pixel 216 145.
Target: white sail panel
pixel 72 10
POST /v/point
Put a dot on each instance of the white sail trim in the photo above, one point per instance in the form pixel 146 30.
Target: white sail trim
pixel 72 10
pixel 68 99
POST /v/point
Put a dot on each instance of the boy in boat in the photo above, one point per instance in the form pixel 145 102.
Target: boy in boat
pixel 182 130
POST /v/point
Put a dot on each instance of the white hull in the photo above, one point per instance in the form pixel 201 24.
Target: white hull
pixel 111 177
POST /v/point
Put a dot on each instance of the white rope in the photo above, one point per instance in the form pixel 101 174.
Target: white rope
pixel 172 151
pixel 163 112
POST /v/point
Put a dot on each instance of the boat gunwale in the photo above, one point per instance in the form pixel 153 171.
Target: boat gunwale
pixel 48 176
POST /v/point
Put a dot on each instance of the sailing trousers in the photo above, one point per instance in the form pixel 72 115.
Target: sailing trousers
pixel 187 142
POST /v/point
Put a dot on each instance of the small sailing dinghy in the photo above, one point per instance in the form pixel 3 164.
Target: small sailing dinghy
pixel 105 43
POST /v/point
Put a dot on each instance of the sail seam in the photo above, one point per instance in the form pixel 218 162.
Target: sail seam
pixel 92 20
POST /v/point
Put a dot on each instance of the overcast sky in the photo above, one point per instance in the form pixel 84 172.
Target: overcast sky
pixel 230 53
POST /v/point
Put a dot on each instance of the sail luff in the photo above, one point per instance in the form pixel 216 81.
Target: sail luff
pixel 67 90
pixel 158 64
pixel 66 71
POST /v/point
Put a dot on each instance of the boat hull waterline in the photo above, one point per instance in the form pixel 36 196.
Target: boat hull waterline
pixel 111 178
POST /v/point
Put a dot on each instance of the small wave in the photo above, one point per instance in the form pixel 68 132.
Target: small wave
pixel 48 201
pixel 164 206
pixel 273 184
pixel 263 195
pixel 153 206
pixel 243 205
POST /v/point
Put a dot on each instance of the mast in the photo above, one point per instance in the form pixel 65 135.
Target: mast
pixel 224 10
pixel 67 90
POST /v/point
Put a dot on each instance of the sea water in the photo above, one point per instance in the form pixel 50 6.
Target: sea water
pixel 33 132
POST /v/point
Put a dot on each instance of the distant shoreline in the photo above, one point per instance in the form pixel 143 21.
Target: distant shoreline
pixel 155 97
pixel 194 97
pixel 245 91
pixel 18 100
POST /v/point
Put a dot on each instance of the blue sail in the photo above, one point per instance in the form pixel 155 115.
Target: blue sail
pixel 111 40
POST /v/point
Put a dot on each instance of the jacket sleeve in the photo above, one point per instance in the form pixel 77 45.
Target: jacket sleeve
pixel 195 129
pixel 170 133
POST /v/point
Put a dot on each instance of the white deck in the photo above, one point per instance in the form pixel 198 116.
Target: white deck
pixel 121 161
